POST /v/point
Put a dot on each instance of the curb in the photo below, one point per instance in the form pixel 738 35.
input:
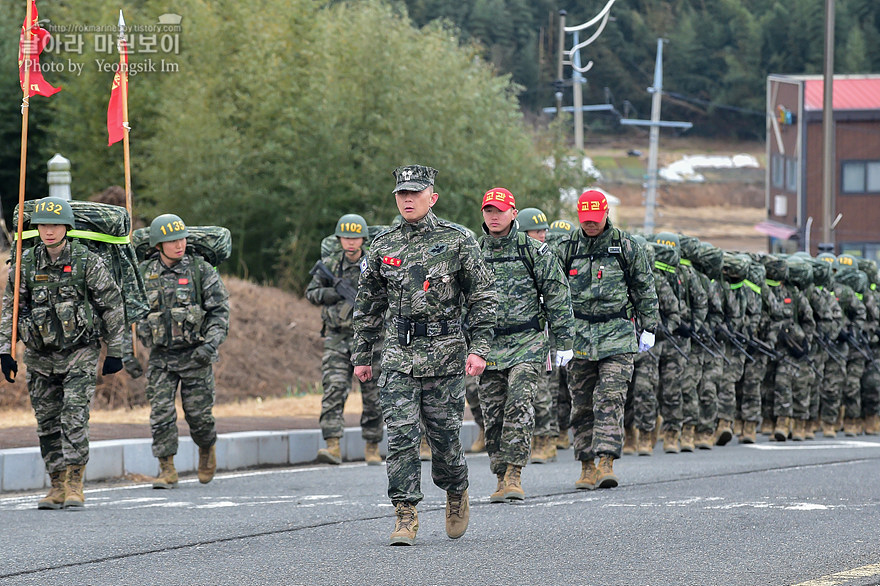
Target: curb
pixel 22 468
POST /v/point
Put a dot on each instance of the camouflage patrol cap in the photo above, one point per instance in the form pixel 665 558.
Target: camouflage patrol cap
pixel 869 267
pixel 735 268
pixel 821 272
pixel 689 246
pixel 800 272
pixel 532 219
pixel 777 269
pixel 413 178
pixel 708 259
pixel 561 227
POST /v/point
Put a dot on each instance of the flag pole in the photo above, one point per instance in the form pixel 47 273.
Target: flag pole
pixel 22 170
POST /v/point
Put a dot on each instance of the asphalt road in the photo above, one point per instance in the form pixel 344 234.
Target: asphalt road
pixel 764 514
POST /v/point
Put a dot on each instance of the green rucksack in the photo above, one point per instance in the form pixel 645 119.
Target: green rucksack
pixel 213 243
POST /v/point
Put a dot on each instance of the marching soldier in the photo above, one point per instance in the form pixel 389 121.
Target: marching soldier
pixel 188 320
pixel 68 301
pixel 343 268
pixel 423 270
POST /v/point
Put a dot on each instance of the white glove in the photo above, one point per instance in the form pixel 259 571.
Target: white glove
pixel 646 341
pixel 563 357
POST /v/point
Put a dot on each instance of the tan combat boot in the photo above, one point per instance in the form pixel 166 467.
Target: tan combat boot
pixel 780 431
pixel 55 499
pixel 167 474
pixel 723 432
pixel 207 464
pixel 767 425
pixel 828 429
pixel 750 432
pixel 645 443
pixel 371 454
pixel 872 425
pixel 737 427
pixel 550 449
pixel 479 444
pixel 406 525
pixel 670 441
pixel 513 490
pixel 563 442
pixel 424 450
pixel 630 440
pixel 458 513
pixel 687 438
pixel 498 495
pixel 606 477
pixel 810 429
pixel 74 498
pixel 537 455
pixel 798 429
pixel 332 454
pixel 589 475
pixel 851 427
pixel 704 440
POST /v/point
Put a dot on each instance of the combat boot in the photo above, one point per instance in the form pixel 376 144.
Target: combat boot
pixel 74 498
pixel 780 431
pixel 406 525
pixel 498 495
pixel 646 443
pixel 828 429
pixel 589 475
pixel 737 427
pixel 563 442
pixel 798 428
pixel 537 456
pixel 424 450
pixel 458 513
pixel 479 444
pixel 371 454
pixel 851 427
pixel 605 477
pixel 513 490
pixel 549 449
pixel 872 425
pixel 704 440
pixel 810 429
pixel 630 440
pixel 207 464
pixel 687 438
pixel 670 441
pixel 750 432
pixel 167 474
pixel 723 432
pixel 332 454
pixel 767 425
pixel 55 499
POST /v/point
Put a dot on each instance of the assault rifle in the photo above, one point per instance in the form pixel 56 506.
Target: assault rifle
pixel 668 336
pixel 696 338
pixel 715 344
pixel 853 341
pixel 731 337
pixel 826 345
pixel 343 287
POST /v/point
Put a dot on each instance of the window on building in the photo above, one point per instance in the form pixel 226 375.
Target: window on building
pixel 777 171
pixel 870 250
pixel 860 176
pixel 790 174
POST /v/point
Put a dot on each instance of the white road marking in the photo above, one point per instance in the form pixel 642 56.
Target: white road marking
pixel 869 571
pixel 836 445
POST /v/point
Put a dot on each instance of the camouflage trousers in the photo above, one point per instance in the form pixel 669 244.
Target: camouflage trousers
pixel 787 372
pixel 438 402
pixel 559 383
pixel 851 399
pixel 643 387
pixel 61 386
pixel 166 371
pixel 472 394
pixel 733 372
pixel 508 398
pixel 805 385
pixel 546 407
pixel 831 390
pixel 707 392
pixel 690 385
pixel 871 388
pixel 819 358
pixel 598 392
pixel 671 379
pixel 748 389
pixel 336 378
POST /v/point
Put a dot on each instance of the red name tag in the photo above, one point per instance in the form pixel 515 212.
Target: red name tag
pixel 183 281
pixel 572 272
pixel 68 269
pixel 787 300
pixel 390 260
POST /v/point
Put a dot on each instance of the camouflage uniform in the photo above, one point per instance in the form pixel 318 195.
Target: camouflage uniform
pixel 472 394
pixel 829 321
pixel 605 342
pixel 735 271
pixel 802 385
pixel 525 271
pixel 423 272
pixel 336 367
pixel 871 378
pixel 849 286
pixel 761 312
pixel 60 326
pixel 189 317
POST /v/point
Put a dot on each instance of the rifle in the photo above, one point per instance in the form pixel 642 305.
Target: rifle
pixel 803 354
pixel 733 342
pixel 668 336
pixel 716 345
pixel 696 338
pixel 342 286
pixel 826 345
pixel 853 341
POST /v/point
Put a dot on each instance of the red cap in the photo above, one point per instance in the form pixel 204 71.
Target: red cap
pixel 592 206
pixel 500 198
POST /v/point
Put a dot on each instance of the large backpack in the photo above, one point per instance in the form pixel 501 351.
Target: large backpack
pixel 213 243
pixel 104 229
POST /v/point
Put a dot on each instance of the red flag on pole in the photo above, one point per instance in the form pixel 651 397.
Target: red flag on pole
pixel 115 117
pixel 33 41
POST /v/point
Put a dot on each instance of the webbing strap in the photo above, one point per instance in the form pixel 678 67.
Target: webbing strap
pixel 664 267
pixel 773 283
pixel 87 234
pixel 685 262
pixel 752 286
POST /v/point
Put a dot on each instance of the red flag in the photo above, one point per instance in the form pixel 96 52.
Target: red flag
pixel 33 41
pixel 115 121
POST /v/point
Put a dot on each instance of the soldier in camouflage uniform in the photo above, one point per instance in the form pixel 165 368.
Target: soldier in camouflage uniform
pixel 533 222
pixel 531 288
pixel 871 378
pixel 762 316
pixel 800 275
pixel 612 295
pixel 423 270
pixel 734 270
pixel 188 320
pixel 68 300
pixel 336 367
pixel 847 274
pixel 559 231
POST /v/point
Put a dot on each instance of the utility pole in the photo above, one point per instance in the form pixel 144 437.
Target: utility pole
pixel 559 71
pixel 827 244
pixel 577 91
pixel 655 124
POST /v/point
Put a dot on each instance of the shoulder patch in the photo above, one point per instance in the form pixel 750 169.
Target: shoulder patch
pixel 363 264
pixel 544 249
pixel 614 250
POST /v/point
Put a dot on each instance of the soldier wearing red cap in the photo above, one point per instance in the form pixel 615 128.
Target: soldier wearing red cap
pixel 616 310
